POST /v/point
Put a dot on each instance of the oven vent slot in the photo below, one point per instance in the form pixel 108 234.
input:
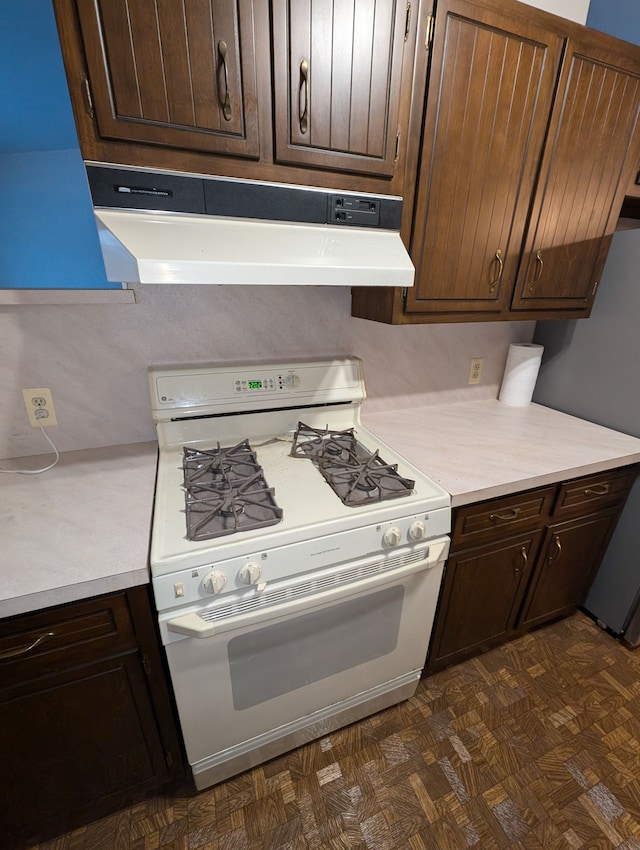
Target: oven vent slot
pixel 275 595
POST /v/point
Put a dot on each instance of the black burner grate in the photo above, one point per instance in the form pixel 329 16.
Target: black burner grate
pixel 355 474
pixel 226 492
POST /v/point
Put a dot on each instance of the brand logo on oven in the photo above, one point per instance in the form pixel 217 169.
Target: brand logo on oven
pixel 325 551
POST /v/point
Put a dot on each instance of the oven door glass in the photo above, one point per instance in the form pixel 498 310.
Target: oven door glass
pixel 245 683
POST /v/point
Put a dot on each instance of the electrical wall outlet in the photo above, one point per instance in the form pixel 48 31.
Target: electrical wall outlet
pixel 40 409
pixel 475 371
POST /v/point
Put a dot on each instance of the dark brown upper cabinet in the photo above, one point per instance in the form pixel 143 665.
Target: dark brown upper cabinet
pixel 529 144
pixel 310 92
pixel 180 75
pixel 583 177
pixel 337 75
pixel 490 92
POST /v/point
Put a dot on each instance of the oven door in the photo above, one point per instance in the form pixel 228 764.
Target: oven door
pixel 254 684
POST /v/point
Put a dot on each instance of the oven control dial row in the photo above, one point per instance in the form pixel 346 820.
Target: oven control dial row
pixel 214 582
pixel 416 532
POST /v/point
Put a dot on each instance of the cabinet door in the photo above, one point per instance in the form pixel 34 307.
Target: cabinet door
pixel 489 96
pixel 589 159
pixel 337 82
pixel 481 596
pixel 180 75
pixel 570 555
pixel 76 739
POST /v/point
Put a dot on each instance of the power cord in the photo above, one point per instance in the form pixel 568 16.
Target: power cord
pixel 36 471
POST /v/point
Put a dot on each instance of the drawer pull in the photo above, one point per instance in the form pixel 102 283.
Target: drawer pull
pixel 597 490
pixel 558 545
pixel 525 561
pixel 15 653
pixel 514 513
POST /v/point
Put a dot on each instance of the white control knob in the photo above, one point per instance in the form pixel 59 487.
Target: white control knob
pixel 250 573
pixel 392 536
pixel 214 582
pixel 417 530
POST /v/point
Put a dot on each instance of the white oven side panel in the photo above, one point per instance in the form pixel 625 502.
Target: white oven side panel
pixel 254 681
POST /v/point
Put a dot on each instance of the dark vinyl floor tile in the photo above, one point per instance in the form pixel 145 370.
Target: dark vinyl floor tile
pixel 533 746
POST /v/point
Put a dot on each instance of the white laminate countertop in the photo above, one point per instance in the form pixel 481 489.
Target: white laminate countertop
pixel 483 449
pixel 83 528
pixel 78 530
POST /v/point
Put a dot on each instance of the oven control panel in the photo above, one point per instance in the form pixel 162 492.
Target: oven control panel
pixel 253 572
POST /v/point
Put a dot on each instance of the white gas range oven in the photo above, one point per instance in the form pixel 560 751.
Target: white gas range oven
pixel 296 559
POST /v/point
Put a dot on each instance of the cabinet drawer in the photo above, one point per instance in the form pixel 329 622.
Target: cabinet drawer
pixel 48 641
pixel 500 517
pixel 594 493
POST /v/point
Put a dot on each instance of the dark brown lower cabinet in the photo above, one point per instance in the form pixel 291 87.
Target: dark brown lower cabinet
pixel 482 596
pixel 520 561
pixel 571 553
pixel 87 723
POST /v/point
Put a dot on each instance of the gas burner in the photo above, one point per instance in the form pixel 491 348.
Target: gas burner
pixel 317 443
pixel 356 475
pixel 226 491
pixel 217 465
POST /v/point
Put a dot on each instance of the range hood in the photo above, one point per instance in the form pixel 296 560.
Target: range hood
pixel 168 228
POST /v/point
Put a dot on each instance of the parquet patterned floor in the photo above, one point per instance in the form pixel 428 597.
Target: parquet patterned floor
pixel 533 746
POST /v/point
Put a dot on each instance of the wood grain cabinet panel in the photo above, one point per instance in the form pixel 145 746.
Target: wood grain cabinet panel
pixel 179 75
pixel 571 553
pixel 490 92
pixel 337 75
pixel 591 149
pixel 481 598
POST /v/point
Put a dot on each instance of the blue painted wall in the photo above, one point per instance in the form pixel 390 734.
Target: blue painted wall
pixel 616 17
pixel 48 238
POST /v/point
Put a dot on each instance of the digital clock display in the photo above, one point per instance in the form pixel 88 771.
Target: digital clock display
pixel 254 385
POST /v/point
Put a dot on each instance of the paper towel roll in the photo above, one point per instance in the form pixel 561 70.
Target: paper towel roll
pixel 520 374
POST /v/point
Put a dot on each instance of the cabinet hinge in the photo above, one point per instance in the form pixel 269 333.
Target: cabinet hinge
pixel 428 37
pixel 407 23
pixel 397 154
pixel 595 286
pixel 168 757
pixel 145 664
pixel 88 100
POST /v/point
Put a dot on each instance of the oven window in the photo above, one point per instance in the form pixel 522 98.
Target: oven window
pixel 277 659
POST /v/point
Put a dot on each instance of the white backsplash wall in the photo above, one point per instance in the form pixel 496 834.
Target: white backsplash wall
pixel 94 358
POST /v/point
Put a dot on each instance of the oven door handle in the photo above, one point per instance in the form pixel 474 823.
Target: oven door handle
pixel 193 625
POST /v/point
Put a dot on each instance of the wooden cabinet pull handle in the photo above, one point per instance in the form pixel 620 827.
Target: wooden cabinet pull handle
pixel 597 490
pixel 525 558
pixel 22 650
pixel 513 514
pixel 304 87
pixel 558 545
pixel 226 102
pixel 498 278
pixel 538 274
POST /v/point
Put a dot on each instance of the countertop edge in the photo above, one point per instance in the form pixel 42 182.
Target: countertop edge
pixel 511 487
pixel 72 593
